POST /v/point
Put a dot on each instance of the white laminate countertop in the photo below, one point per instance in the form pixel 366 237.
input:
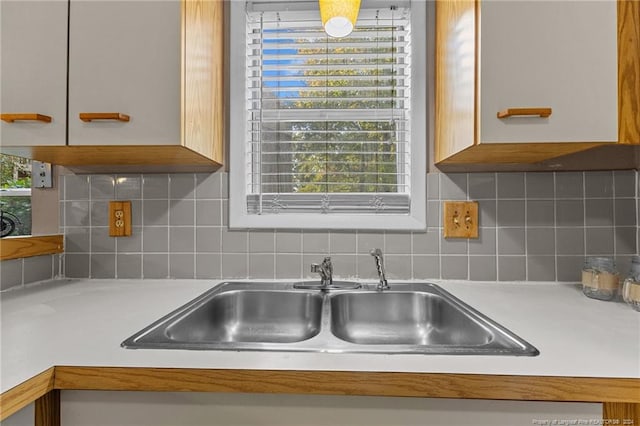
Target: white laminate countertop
pixel 83 322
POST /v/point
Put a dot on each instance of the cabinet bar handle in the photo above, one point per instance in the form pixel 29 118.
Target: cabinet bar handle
pixel 10 118
pixel 90 116
pixel 511 112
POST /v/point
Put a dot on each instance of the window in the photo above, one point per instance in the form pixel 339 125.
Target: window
pixel 327 132
pixel 15 195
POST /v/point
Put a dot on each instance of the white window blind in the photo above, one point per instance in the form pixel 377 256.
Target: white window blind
pixel 328 118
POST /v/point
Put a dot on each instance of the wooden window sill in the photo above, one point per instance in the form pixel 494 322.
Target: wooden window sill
pixel 27 246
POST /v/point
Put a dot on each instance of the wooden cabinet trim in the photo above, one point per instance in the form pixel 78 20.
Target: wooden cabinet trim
pixel 629 72
pixel 425 385
pixel 25 393
pixel 27 246
pixel 127 155
pixel 619 393
pixel 621 414
pixel 47 409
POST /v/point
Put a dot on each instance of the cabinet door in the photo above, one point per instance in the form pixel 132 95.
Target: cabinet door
pixel 124 57
pixel 33 71
pixel 556 54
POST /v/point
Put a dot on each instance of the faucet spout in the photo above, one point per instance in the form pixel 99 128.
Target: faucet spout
pixel 325 269
pixel 377 255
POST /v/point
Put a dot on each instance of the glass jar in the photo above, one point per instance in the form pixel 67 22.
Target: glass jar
pixel 600 278
pixel 631 286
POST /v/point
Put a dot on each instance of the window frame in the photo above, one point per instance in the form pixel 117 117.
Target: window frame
pixel 239 218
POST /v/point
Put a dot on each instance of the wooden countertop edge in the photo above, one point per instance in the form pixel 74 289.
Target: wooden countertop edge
pixel 26 392
pixel 32 245
pixel 424 385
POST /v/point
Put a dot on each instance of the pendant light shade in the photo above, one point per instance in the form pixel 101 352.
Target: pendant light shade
pixel 339 16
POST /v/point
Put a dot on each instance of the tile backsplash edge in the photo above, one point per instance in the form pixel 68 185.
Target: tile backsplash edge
pixel 20 272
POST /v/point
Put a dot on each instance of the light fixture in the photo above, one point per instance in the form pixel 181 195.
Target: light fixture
pixel 339 16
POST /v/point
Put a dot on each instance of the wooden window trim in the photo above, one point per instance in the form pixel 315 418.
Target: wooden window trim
pixel 27 246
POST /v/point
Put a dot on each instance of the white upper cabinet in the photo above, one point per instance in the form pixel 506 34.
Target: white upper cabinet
pixel 125 57
pixel 560 55
pixel 113 83
pixel 33 72
pixel 565 74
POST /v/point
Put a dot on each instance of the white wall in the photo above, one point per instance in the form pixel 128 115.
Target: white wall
pixel 23 417
pixel 82 408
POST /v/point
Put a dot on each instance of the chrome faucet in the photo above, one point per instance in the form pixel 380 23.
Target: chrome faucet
pixel 377 254
pixel 325 269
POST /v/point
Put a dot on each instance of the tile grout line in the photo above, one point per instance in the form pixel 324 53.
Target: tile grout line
pixel 195 234
pixel 89 179
pixel 497 252
pixel 555 229
pixel 526 232
pixel 584 215
pixel 613 209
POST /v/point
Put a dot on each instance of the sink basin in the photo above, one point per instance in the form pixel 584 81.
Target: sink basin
pixel 413 318
pixel 250 316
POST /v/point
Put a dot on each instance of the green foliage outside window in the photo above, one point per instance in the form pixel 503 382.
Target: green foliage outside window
pixel 338 156
pixel 15 172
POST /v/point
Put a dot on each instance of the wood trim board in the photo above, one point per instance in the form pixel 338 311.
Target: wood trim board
pixel 47 409
pixel 26 392
pixel 620 395
pixel 425 385
pixel 27 246
pixel 628 72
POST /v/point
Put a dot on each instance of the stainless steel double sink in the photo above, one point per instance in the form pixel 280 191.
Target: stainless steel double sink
pixel 273 316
